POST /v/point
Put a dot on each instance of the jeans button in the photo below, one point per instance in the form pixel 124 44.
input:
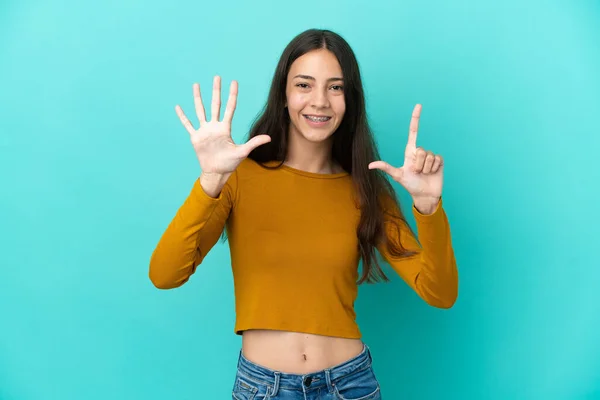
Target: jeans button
pixel 307 381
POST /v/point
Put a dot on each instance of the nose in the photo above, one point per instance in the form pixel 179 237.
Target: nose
pixel 320 99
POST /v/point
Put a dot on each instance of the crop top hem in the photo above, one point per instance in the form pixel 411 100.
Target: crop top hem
pixel 301 328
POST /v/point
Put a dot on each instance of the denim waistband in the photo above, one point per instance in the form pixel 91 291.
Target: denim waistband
pixel 306 382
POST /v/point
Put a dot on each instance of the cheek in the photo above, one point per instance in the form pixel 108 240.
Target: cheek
pixel 339 107
pixel 296 103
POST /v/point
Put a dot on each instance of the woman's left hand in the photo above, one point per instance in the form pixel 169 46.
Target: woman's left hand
pixel 422 174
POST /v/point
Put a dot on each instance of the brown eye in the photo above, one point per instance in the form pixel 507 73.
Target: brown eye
pixel 302 85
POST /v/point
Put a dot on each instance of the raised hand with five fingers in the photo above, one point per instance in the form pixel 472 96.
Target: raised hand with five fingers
pixel 422 174
pixel 217 154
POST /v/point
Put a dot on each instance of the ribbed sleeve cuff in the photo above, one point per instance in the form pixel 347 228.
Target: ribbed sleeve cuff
pixel 437 217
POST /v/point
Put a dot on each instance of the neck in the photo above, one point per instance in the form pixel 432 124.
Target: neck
pixel 310 156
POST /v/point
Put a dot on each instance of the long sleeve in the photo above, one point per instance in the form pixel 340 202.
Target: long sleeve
pixel 432 271
pixel 194 230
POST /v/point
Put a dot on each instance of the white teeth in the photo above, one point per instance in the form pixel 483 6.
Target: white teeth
pixel 318 119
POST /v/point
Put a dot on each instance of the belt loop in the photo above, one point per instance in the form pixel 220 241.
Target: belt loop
pixel 240 360
pixel 276 384
pixel 328 380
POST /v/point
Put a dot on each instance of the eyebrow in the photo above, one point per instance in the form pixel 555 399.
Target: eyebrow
pixel 313 79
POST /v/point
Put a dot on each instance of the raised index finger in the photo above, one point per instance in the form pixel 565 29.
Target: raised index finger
pixel 198 104
pixel 216 100
pixel 414 127
pixel 231 102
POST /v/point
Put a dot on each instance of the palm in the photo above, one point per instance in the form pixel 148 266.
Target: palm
pixel 214 147
pixel 417 183
pixel 422 173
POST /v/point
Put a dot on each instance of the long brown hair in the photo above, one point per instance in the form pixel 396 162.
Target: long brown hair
pixel 353 145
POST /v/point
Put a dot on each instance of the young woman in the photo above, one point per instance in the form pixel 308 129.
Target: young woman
pixel 302 203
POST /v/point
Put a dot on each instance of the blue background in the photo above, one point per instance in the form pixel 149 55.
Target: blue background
pixel 94 163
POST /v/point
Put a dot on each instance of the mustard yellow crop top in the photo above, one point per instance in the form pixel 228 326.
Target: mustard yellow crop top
pixel 293 245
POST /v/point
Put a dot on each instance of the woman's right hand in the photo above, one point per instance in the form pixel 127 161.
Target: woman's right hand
pixel 218 155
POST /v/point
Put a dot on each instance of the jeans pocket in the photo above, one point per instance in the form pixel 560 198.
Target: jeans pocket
pixel 247 389
pixel 376 395
pixel 360 385
pixel 243 389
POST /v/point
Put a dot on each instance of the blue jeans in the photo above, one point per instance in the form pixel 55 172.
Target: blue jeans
pixel 352 380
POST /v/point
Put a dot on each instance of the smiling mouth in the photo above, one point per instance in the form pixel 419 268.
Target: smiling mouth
pixel 317 119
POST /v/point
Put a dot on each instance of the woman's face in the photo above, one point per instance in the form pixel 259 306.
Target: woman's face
pixel 315 95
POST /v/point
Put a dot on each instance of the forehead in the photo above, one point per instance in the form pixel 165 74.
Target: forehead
pixel 320 64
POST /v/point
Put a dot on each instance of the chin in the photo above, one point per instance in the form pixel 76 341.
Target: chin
pixel 315 137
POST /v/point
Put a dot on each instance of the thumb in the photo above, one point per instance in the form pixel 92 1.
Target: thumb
pixel 396 173
pixel 253 143
pixel 385 167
